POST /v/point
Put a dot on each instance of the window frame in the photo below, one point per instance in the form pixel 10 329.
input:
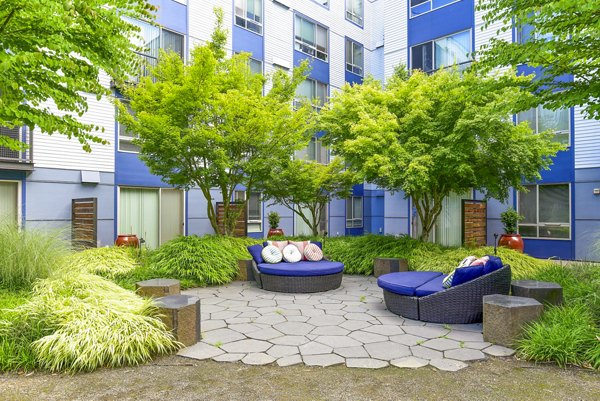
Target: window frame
pixel 351 214
pixel 128 139
pixel 537 122
pixel 431 8
pixel 245 17
pixel 539 224
pixel 249 222
pixel 300 44
pixel 352 43
pixel 360 19
pixel 432 41
pixel 316 83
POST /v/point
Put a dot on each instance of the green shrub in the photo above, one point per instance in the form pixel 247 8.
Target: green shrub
pixel 566 335
pixel 27 255
pixel 16 352
pixel 109 262
pixel 201 260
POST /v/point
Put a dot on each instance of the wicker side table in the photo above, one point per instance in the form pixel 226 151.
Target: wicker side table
pixel 504 317
pixel 543 291
pixel 181 314
pixel 158 287
pixel 389 265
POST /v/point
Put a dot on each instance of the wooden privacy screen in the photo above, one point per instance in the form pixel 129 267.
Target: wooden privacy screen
pixel 474 218
pixel 241 229
pixel 84 222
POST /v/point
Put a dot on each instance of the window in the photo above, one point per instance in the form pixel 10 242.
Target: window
pixel 126 137
pixel 256 66
pixel 354 212
pixel 254 210
pixel 541 119
pixel 314 151
pixel 248 15
pixel 355 59
pixel 311 38
pixel 10 202
pixel 354 11
pixel 547 211
pixel 418 7
pixel 313 91
pixel 442 52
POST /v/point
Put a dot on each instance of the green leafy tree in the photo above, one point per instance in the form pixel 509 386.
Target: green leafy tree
pixel 306 187
pixel 53 51
pixel 433 135
pixel 560 36
pixel 208 125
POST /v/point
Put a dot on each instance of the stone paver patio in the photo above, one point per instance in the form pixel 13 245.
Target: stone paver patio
pixel 350 326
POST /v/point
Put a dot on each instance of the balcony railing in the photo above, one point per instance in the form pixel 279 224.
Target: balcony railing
pixel 17 159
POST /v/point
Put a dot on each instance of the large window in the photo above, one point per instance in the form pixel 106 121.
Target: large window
pixel 256 66
pixel 313 91
pixel 442 52
pixel 541 119
pixel 248 15
pixel 315 150
pixel 311 38
pixel 355 11
pixel 254 210
pixel 354 212
pixel 547 211
pixel 355 58
pixel 418 7
pixel 126 137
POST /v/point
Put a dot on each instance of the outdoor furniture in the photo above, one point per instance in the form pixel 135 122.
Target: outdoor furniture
pixel 543 291
pixel 181 314
pixel 299 277
pixel 158 287
pixel 389 265
pixel 421 296
pixel 504 317
pixel 245 270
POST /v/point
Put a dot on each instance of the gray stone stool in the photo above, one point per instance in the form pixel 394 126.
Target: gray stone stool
pixel 389 265
pixel 543 291
pixel 157 287
pixel 504 317
pixel 245 270
pixel 181 314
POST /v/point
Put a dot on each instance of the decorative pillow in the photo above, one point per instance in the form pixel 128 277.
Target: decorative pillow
pixel 279 244
pixel 467 261
pixel 255 251
pixel 271 254
pixel 464 274
pixel 313 253
pixel 301 245
pixel 494 263
pixel 481 261
pixel 291 254
pixel 447 281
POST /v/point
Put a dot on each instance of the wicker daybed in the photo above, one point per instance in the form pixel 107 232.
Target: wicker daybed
pixel 429 302
pixel 288 278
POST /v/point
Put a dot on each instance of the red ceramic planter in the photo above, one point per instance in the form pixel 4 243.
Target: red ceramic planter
pixel 512 241
pixel 127 240
pixel 275 232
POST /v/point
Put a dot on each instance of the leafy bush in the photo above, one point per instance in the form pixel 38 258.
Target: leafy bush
pixel 16 352
pixel 201 260
pixel 109 262
pixel 27 255
pixel 565 335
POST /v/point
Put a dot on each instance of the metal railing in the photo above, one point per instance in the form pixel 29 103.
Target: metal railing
pixel 22 135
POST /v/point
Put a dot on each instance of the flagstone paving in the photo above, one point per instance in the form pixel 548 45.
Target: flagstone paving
pixel 350 326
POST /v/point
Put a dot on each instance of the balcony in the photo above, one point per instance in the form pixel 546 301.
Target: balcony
pixel 16 159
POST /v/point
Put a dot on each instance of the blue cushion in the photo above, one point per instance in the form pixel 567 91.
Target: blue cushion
pixel 405 283
pixel 464 274
pixel 302 269
pixel 492 265
pixel 255 251
pixel 317 243
pixel 431 287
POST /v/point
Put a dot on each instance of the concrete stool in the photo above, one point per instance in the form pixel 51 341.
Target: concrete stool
pixel 543 291
pixel 245 270
pixel 389 265
pixel 504 317
pixel 157 287
pixel 181 314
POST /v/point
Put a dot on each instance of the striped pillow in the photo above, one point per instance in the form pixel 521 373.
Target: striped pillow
pixel 271 254
pixel 301 245
pixel 313 253
pixel 291 254
pixel 279 244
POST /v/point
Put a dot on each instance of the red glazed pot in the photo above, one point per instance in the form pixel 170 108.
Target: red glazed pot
pixel 127 240
pixel 275 232
pixel 512 241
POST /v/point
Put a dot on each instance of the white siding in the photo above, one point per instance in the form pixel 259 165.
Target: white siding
pixel 587 141
pixel 396 35
pixel 201 19
pixel 482 36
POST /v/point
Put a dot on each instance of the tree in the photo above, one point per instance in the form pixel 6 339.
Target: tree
pixel 208 125
pixel 306 187
pixel 560 36
pixel 433 135
pixel 52 51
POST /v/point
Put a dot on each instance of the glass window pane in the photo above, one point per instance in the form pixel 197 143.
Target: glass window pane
pixel 528 116
pixel 554 203
pixel 421 57
pixel 321 93
pixel 556 120
pixel 554 232
pixel 528 231
pixel 312 150
pixel 254 206
pixel 528 205
pixel 452 49
pixel 305 89
pixel 349 51
pixel 357 209
pixel 255 66
pixel 308 32
pixel 322 39
pixel 172 41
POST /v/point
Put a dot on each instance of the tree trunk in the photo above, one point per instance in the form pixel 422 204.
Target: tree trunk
pixel 428 211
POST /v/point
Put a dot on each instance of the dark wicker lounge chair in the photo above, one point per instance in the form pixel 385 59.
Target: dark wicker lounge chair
pixel 296 284
pixel 459 305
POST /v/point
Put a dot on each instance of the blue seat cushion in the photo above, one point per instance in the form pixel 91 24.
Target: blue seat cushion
pixel 405 283
pixel 464 274
pixel 492 265
pixel 302 269
pixel 256 252
pixel 431 287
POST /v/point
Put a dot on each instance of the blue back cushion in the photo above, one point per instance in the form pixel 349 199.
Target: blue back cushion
pixel 464 274
pixel 492 265
pixel 317 243
pixel 255 251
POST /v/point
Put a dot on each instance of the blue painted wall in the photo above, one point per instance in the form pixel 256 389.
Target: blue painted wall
pixel 441 22
pixel 247 41
pixel 171 15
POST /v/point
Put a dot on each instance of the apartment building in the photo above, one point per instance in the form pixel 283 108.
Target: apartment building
pixel 345 40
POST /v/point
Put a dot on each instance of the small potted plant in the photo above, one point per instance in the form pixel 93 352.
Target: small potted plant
pixel 510 239
pixel 274 229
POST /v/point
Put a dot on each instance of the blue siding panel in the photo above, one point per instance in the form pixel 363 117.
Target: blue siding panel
pixel 319 69
pixel 171 15
pixel 441 22
pixel 247 41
